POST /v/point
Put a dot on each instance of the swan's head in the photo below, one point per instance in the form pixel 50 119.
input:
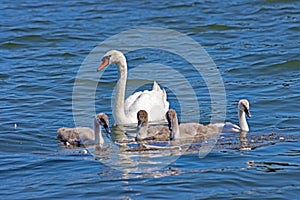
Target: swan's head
pixel 142 117
pixel 244 106
pixel 102 120
pixel 68 136
pixel 112 57
pixel 171 117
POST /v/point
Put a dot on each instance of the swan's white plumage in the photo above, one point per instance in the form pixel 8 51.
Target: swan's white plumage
pixel 153 101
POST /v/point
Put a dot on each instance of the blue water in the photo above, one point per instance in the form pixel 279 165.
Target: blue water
pixel 255 46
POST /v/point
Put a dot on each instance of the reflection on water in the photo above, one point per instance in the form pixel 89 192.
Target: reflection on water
pixel 124 153
pixel 243 141
pixel 127 155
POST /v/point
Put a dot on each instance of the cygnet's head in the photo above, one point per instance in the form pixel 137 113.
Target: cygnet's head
pixel 244 106
pixel 112 57
pixel 171 117
pixel 102 120
pixel 142 117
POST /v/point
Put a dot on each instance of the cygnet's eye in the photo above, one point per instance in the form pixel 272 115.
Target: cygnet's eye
pixel 102 121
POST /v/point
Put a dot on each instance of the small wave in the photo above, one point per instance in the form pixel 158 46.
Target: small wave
pixel 218 27
pixel 11 45
pixel 287 65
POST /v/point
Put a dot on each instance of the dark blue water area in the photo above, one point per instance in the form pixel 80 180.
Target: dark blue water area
pixel 255 48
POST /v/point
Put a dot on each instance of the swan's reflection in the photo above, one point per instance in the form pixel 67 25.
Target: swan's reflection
pixel 145 156
pixel 244 141
pixel 127 155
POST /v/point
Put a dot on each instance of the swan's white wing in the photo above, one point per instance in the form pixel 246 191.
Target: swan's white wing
pixel 131 99
pixel 154 102
pixel 156 86
pixel 230 127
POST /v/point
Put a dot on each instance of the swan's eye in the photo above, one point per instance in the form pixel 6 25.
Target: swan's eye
pixel 106 58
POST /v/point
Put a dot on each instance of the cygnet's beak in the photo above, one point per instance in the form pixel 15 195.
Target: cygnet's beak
pixel 107 129
pixel 140 123
pixel 171 131
pixel 248 113
pixel 171 135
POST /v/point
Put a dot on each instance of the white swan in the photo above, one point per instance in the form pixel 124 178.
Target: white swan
pixel 84 135
pixel 150 133
pixel 189 130
pixel 243 110
pixel 154 101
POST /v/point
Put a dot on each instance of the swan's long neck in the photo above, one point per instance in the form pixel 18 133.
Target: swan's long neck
pixel 243 121
pixel 119 111
pixel 98 134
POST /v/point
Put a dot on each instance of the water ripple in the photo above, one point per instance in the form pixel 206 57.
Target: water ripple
pixel 255 46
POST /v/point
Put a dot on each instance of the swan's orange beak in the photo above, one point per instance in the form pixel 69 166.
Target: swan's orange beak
pixel 104 64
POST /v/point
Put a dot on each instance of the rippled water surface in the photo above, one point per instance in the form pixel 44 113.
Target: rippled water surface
pixel 255 45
